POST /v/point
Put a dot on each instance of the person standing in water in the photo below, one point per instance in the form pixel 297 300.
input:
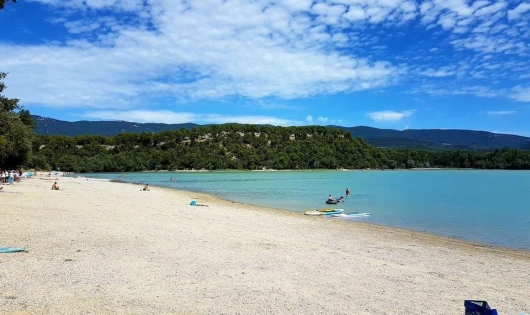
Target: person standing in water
pixel 347 192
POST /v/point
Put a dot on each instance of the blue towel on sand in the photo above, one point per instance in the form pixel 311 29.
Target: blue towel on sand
pixel 12 249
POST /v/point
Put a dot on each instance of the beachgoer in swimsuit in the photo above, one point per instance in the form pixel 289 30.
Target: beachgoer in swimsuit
pixel 347 192
pixel 146 187
pixel 55 186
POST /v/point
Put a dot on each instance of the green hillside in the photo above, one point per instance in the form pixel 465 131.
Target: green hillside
pixel 249 147
pixel 427 139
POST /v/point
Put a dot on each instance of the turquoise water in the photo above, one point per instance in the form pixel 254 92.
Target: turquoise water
pixel 490 207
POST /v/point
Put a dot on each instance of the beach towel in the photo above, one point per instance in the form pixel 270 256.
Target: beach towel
pixel 5 250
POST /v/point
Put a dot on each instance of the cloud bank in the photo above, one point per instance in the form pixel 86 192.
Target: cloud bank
pixel 128 54
pixel 389 116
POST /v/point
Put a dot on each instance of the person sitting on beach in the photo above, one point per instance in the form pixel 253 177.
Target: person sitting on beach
pixel 146 187
pixel 55 186
pixel 330 198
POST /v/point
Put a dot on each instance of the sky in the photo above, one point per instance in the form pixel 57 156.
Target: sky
pixel 395 64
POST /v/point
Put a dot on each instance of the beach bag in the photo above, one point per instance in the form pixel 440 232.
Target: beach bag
pixel 478 308
pixel 193 203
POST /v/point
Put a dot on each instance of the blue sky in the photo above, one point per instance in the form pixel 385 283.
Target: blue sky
pixel 384 63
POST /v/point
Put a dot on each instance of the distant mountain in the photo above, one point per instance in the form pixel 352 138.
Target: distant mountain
pixel 50 126
pixel 428 139
pixel 439 138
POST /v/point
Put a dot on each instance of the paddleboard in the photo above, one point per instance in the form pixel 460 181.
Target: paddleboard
pixel 324 211
pixel 351 215
pixel 314 212
pixel 12 249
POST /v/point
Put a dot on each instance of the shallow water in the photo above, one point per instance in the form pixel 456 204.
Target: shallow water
pixel 490 207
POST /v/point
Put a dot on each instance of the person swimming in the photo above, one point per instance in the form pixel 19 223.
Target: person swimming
pixel 347 192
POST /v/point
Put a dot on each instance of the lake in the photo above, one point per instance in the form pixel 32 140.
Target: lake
pixel 489 207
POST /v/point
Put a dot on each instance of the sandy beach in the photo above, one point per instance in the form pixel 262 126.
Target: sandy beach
pixel 97 247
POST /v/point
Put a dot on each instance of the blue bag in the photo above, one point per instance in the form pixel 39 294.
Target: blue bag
pixel 478 308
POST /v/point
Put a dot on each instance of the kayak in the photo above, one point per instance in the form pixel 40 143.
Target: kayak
pixel 324 212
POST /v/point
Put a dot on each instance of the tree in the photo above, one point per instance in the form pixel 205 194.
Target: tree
pixel 3 3
pixel 16 131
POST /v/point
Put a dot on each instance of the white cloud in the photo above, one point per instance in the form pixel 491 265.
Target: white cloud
pixel 494 8
pixel 184 50
pixel 128 54
pixel 389 116
pixel 521 94
pixel 143 116
pixel 309 119
pixel 169 117
pixel 438 73
pixel 518 11
pixel 355 13
pixel 501 112
pixel 322 120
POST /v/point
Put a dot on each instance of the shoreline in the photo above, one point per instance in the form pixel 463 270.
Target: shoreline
pixel 224 201
pixel 317 170
pixel 355 224
pixel 103 247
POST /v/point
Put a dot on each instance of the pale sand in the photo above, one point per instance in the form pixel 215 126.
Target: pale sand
pixel 107 248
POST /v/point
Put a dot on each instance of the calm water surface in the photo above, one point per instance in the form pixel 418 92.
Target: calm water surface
pixel 491 207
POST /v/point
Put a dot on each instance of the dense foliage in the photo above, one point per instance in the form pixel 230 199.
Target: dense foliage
pixel 3 3
pixel 248 147
pixel 16 131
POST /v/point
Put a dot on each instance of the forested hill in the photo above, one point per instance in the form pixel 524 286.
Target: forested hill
pixel 426 139
pixel 249 147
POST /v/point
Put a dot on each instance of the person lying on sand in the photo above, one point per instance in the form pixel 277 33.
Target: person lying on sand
pixel 55 186
pixel 146 187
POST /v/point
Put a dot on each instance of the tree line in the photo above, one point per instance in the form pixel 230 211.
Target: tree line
pixel 249 147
